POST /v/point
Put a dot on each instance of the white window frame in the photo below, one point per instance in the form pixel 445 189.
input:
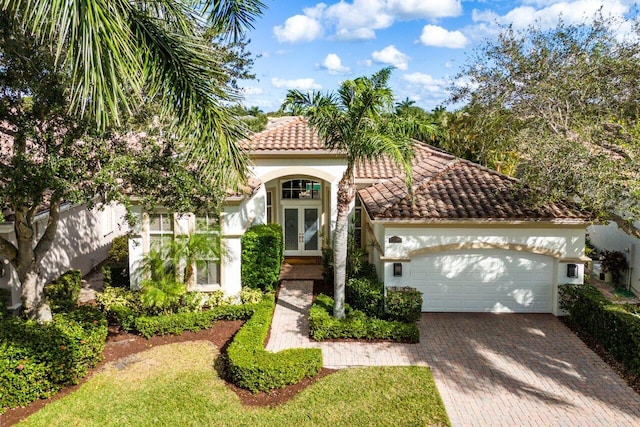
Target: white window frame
pixel 209 221
pixel 163 232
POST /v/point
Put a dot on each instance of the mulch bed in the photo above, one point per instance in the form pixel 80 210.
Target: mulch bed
pixel 630 378
pixel 122 344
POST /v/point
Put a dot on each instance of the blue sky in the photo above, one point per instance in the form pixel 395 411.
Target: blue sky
pixel 310 45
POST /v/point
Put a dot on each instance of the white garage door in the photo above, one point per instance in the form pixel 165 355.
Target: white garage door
pixel 496 281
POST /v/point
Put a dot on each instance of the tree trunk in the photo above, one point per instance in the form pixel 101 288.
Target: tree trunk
pixel 28 257
pixel 33 300
pixel 346 193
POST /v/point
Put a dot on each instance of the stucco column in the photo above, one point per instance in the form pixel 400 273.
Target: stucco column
pixel 137 248
pixel 230 266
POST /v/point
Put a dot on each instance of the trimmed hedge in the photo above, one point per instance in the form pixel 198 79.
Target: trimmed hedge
pixel 252 367
pixel 177 323
pixel 62 294
pixel 36 360
pixel 366 295
pixel 262 256
pixel 356 324
pixel 403 304
pixel 616 327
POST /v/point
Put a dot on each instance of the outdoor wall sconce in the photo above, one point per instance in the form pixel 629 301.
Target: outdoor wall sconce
pixel 572 270
pixel 397 269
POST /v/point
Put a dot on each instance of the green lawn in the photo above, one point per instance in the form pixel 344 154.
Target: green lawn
pixel 177 385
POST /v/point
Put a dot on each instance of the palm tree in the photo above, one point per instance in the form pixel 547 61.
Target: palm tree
pixel 122 54
pixel 358 121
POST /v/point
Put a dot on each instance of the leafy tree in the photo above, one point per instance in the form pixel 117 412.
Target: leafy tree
pixel 566 99
pixel 421 124
pixel 358 121
pixel 68 97
pixel 254 118
pixel 120 54
pixel 480 138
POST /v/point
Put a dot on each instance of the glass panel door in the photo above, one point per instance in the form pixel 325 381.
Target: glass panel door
pixel 311 229
pixel 291 229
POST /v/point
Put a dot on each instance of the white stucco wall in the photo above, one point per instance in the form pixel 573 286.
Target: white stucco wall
pixel 82 241
pixel 329 169
pixel 563 245
pixel 611 237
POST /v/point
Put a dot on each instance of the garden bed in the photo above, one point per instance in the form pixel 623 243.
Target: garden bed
pixel 122 344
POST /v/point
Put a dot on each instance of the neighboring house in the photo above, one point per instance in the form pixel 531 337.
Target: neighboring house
pixel 469 242
pixel 82 241
pixel 611 237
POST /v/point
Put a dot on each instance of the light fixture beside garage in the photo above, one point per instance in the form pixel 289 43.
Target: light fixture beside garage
pixel 572 270
pixel 397 269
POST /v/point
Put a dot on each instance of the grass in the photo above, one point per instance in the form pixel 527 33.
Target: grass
pixel 177 385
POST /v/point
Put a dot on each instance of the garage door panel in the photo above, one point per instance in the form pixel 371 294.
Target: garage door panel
pixel 484 280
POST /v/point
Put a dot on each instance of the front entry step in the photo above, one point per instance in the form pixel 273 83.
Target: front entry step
pixel 303 260
pixel 301 271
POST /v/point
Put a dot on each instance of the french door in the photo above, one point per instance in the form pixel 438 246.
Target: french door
pixel 301 230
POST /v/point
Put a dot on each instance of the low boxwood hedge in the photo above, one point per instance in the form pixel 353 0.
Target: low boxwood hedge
pixel 177 323
pixel 356 324
pixel 37 359
pixel 616 327
pixel 250 366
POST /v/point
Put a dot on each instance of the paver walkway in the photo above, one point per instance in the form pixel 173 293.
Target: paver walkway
pixel 491 370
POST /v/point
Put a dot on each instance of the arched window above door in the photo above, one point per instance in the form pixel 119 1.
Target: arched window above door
pixel 304 189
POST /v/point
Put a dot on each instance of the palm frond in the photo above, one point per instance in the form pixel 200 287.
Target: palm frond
pixel 233 17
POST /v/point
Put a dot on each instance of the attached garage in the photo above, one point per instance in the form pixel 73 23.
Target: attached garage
pixel 470 238
pixel 496 281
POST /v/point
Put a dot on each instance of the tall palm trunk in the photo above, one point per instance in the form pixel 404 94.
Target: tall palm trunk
pixel 346 193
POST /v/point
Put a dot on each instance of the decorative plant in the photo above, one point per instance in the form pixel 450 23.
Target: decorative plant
pixel 614 262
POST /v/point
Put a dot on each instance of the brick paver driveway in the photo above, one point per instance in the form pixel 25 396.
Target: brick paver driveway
pixel 522 370
pixel 491 369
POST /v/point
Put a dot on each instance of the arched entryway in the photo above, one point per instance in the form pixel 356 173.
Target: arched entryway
pixel 301 204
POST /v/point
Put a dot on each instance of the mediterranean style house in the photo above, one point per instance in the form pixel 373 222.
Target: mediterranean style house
pixel 468 241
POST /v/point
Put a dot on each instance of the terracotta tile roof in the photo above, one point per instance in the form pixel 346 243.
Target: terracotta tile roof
pixel 286 134
pixel 448 188
pixel 383 168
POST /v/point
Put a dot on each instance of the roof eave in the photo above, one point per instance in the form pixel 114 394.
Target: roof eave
pixel 474 221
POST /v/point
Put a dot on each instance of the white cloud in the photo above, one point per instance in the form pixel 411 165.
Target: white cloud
pixel 392 56
pixel 252 90
pixel 360 19
pixel 415 9
pixel 434 35
pixel 548 12
pixel 300 84
pixel 424 88
pixel 298 28
pixel 333 64
pixel 422 79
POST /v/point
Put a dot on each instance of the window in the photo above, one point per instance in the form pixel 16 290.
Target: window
pixel 269 207
pixel 207 267
pixel 208 272
pixel 206 224
pixel 301 189
pixel 357 223
pixel 160 230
